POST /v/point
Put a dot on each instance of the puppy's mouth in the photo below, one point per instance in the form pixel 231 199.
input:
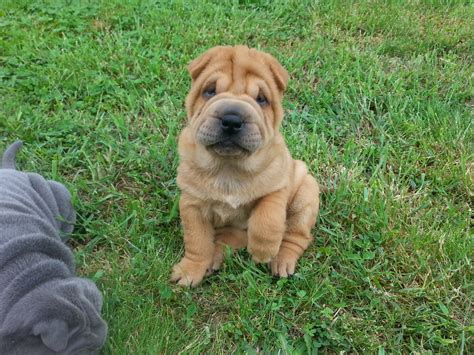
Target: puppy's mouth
pixel 228 148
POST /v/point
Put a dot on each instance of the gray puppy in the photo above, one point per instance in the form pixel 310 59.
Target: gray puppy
pixel 44 309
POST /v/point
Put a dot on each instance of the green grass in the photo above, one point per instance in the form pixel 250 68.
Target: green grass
pixel 379 106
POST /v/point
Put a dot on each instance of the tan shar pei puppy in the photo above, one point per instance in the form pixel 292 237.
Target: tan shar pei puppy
pixel 240 186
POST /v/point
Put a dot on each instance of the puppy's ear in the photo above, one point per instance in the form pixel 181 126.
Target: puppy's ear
pixel 199 64
pixel 279 73
pixel 54 334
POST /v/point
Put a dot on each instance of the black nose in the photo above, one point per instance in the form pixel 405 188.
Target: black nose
pixel 231 123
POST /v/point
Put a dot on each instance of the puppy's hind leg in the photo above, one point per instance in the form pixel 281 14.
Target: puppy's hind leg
pixel 301 217
pixel 232 237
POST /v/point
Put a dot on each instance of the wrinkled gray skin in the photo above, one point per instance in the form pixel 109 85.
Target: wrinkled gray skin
pixel 44 308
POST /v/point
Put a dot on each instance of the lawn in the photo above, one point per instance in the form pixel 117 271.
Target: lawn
pixel 379 105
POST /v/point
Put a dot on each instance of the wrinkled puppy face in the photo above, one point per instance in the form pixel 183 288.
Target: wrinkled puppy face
pixel 234 106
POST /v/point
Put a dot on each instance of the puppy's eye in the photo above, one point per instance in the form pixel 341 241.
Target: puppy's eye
pixel 209 92
pixel 261 100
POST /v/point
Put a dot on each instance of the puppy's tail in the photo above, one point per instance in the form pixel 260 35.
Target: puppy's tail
pixel 8 160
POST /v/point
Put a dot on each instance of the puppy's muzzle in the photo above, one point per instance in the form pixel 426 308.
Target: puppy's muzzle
pixel 230 128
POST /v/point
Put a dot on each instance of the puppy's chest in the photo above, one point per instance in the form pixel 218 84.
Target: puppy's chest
pixel 224 214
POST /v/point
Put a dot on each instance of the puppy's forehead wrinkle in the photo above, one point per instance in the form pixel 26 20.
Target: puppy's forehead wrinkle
pixel 232 75
pixel 238 65
pixel 237 74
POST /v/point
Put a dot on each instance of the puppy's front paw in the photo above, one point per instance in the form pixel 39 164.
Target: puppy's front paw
pixel 189 273
pixel 284 264
pixel 217 259
pixel 262 253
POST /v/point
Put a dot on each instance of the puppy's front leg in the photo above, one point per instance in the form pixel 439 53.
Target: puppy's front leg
pixel 301 217
pixel 198 244
pixel 267 226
